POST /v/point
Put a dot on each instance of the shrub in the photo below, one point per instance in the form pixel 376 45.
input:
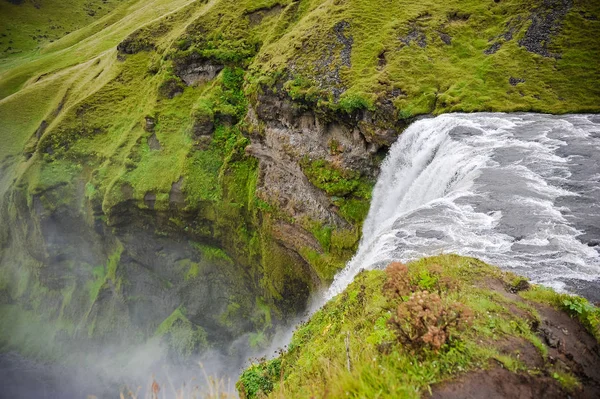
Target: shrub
pixel 425 320
pixel 398 281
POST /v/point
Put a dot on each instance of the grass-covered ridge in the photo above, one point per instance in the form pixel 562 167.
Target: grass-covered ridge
pixel 397 333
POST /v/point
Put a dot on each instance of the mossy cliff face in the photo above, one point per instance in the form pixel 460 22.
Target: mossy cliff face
pixel 446 326
pixel 194 169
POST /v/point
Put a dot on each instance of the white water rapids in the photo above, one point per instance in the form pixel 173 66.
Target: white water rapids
pixel 520 191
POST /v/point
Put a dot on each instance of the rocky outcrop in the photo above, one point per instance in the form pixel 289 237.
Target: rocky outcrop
pixel 285 135
pixel 546 22
pixel 195 69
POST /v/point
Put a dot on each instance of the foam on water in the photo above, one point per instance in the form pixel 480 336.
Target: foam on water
pixel 519 191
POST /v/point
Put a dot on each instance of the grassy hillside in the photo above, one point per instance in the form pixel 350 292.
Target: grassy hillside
pixel 400 333
pixel 27 25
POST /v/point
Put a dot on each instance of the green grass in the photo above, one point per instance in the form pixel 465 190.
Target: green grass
pixel 32 25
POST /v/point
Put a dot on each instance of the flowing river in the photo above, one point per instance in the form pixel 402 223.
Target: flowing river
pixel 520 191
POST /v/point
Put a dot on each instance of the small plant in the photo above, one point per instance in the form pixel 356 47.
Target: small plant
pixel 398 281
pixel 257 381
pixel 424 320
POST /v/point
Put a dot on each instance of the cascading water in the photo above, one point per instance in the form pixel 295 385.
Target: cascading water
pixel 520 191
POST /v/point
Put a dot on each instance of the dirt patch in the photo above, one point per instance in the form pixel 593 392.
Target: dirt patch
pixel 571 346
pixel 499 383
pixel 571 349
pixel 522 350
pixel 153 142
pixel 176 196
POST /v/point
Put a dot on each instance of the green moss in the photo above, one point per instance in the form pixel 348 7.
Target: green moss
pixel 567 380
pixel 183 336
pixel 348 189
pixel 332 180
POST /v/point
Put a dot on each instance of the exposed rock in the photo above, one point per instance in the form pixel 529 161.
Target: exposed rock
pixel 515 81
pixel 288 136
pixel 176 196
pixel 546 22
pixel 153 142
pixel 415 35
pixel 134 43
pixel 203 125
pixel 150 123
pixel 446 38
pixel 346 40
pixel 493 48
pixel 258 15
pixel 150 199
pixel 512 26
pixel 41 129
pixel 194 69
pixel 328 67
pixel 170 88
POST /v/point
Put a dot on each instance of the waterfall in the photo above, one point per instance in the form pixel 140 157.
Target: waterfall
pixel 520 191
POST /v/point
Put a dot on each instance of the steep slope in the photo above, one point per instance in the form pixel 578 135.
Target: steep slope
pixel 202 166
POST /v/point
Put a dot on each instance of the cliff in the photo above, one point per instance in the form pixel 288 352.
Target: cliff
pixel 193 170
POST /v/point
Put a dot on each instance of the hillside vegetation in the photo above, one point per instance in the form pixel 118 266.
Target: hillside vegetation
pixel 193 170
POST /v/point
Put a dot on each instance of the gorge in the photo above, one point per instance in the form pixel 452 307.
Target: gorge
pixel 186 180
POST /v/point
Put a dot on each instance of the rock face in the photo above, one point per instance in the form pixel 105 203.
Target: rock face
pixel 194 70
